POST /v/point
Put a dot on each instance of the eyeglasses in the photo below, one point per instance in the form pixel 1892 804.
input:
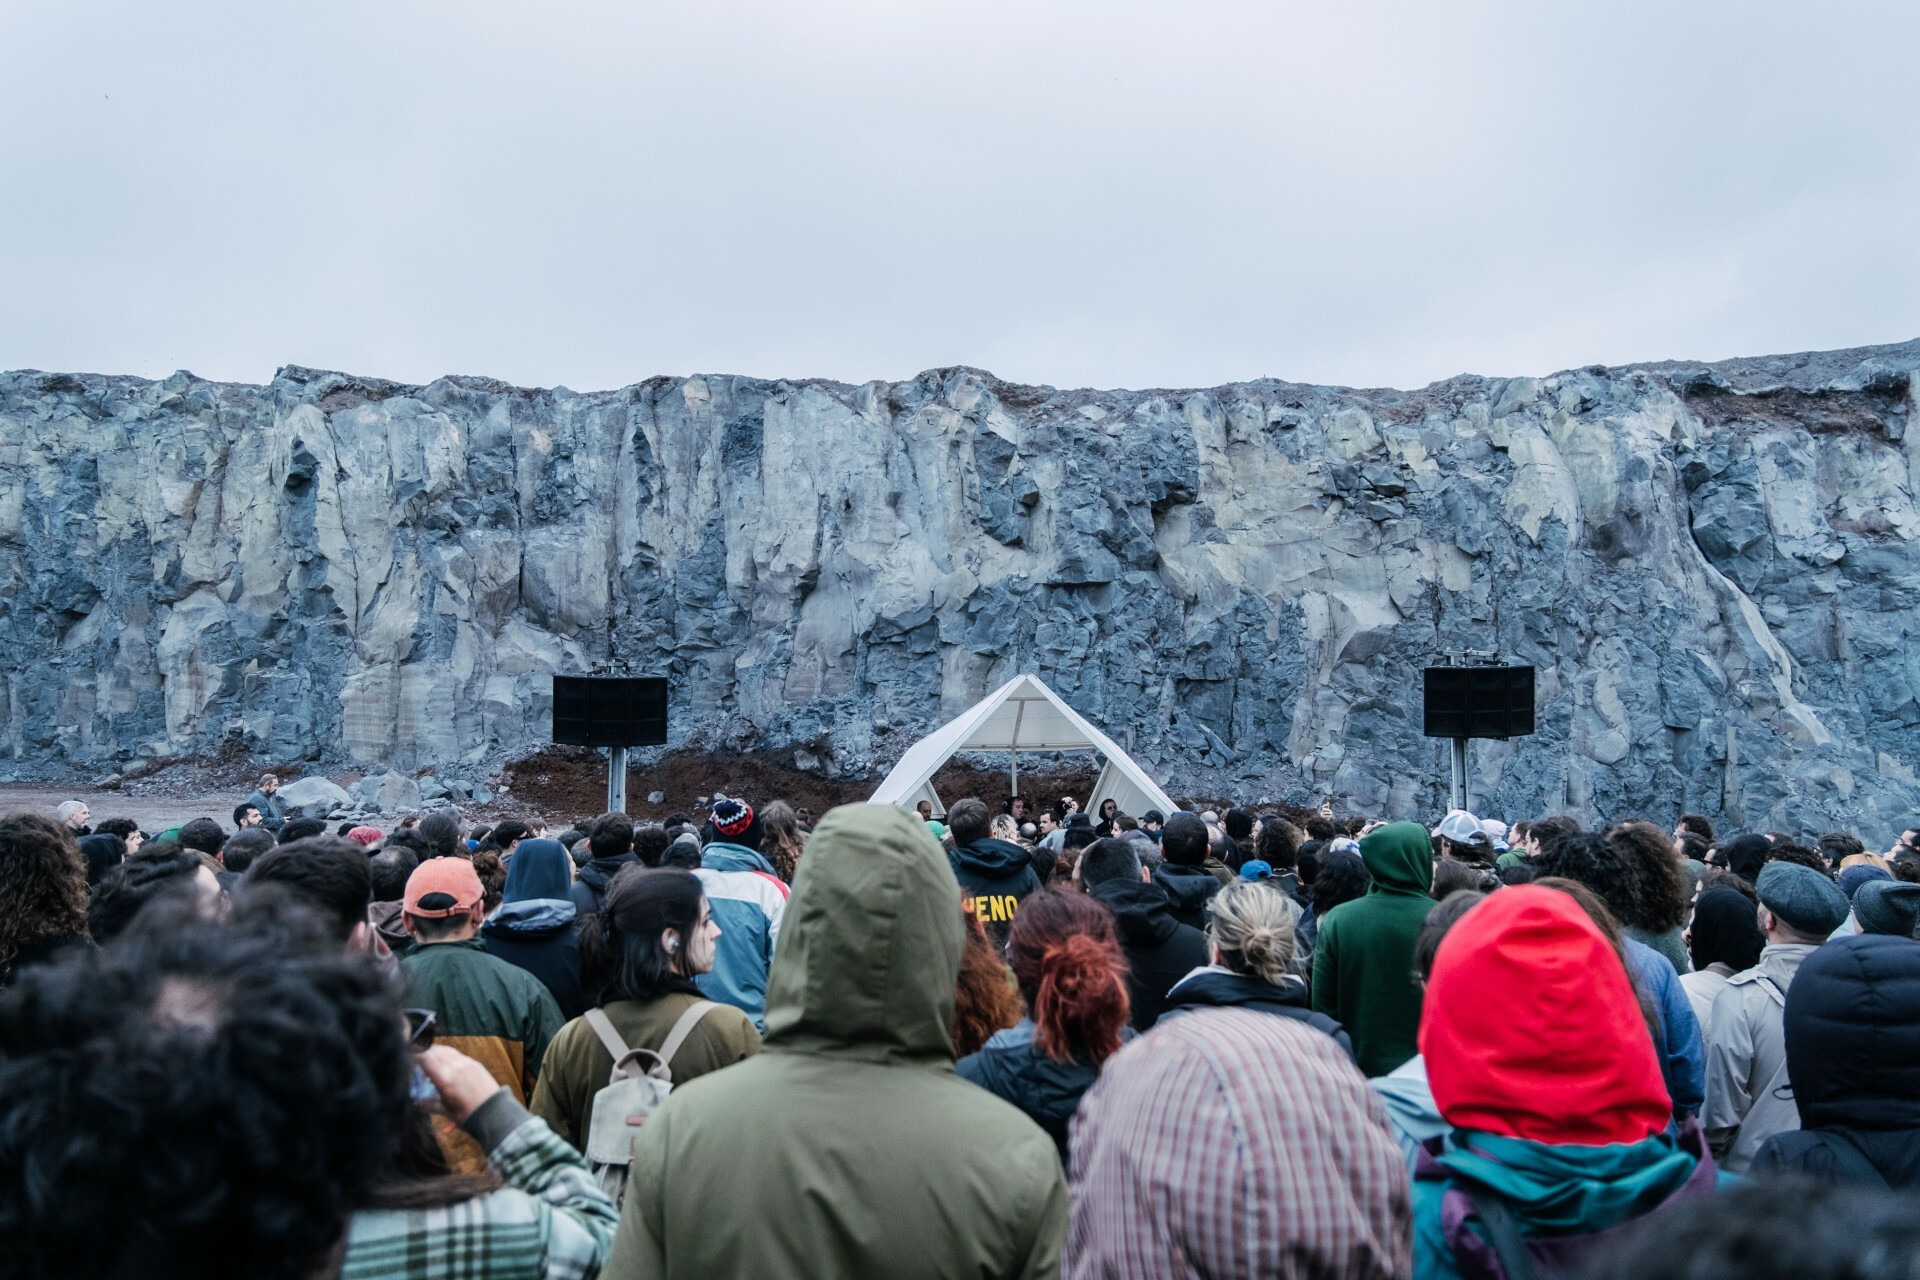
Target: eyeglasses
pixel 420 1026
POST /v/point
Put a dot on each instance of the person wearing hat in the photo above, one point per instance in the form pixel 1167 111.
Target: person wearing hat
pixel 497 1014
pixel 1748 1098
pixel 1462 837
pixel 1887 906
pixel 748 900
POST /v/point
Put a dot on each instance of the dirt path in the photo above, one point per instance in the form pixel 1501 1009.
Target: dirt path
pixel 153 813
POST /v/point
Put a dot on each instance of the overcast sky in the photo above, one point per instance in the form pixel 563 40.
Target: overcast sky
pixel 1179 193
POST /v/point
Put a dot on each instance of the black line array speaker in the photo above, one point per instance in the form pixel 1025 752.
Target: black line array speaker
pixel 610 711
pixel 1479 702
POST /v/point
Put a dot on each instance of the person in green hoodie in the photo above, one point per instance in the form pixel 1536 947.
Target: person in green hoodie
pixel 1363 955
pixel 848 1146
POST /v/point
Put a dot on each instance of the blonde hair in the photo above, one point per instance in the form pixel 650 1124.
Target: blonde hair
pixel 1865 860
pixel 1005 828
pixel 1252 925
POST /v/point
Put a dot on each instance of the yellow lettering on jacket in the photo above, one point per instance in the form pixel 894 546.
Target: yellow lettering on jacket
pixel 994 908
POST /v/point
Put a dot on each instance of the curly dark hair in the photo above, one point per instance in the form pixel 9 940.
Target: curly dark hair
pixel 1631 867
pixel 1279 843
pixel 1790 852
pixel 1343 877
pixel 43 884
pixel 130 888
pixel 223 1099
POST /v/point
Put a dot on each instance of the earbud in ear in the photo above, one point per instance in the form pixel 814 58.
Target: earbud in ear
pixel 672 944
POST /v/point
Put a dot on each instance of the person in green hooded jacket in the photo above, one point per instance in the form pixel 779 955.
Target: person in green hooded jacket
pixel 848 1146
pixel 1363 956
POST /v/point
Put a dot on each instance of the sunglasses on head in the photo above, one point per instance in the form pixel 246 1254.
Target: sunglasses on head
pixel 420 1024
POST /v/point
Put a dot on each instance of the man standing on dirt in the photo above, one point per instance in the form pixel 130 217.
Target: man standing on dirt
pixel 76 815
pixel 273 813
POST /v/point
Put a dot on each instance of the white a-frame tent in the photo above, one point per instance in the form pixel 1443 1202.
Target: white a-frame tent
pixel 1021 715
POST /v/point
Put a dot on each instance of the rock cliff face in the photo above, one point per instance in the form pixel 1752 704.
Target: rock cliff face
pixel 1715 569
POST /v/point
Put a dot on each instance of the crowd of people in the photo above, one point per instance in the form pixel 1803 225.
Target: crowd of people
pixel 1004 1040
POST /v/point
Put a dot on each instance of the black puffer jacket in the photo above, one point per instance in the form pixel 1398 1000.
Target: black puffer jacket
pixel 995 878
pixel 589 889
pixel 1189 890
pixel 1853 1057
pixel 1013 1066
pixel 1217 988
pixel 1159 949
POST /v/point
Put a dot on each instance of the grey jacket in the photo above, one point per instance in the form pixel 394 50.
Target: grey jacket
pixel 273 810
pixel 1748 1097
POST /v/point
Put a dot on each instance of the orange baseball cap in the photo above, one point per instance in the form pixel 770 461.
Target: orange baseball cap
pixel 442 887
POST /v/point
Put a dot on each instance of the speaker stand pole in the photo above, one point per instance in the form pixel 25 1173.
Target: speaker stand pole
pixel 1014 772
pixel 616 779
pixel 1457 795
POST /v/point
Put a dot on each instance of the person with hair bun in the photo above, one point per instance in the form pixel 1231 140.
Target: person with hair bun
pixel 1065 954
pixel 1250 943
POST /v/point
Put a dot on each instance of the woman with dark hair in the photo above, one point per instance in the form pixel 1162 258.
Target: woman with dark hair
pixel 1342 877
pixel 1109 810
pixel 43 893
pixel 101 853
pixel 1278 845
pixel 1065 955
pixel 984 998
pixel 1724 939
pixel 639 956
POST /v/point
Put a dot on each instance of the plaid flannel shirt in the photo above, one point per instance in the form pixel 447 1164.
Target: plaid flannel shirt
pixel 550 1222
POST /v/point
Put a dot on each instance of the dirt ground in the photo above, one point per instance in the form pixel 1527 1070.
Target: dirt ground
pixel 566 784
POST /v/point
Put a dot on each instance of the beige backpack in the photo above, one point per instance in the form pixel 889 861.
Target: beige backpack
pixel 641 1081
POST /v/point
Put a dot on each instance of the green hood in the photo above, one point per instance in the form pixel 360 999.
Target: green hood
pixel 870 947
pixel 1399 856
pixel 1564 1189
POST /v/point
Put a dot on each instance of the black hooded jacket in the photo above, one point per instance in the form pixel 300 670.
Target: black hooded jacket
pixel 589 889
pixel 1160 950
pixel 995 878
pixel 1853 1058
pixel 1213 988
pixel 1189 890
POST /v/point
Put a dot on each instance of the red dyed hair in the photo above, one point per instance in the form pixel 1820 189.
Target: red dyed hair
pixel 1065 956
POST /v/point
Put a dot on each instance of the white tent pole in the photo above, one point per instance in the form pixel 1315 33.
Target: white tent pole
pixel 1013 750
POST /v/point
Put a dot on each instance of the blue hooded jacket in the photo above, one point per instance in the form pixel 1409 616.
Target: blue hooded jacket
pixel 748 902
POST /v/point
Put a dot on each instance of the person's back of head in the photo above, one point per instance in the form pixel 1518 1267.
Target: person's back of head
pixel 1637 877
pixel 1798 853
pixel 1434 929
pixel 968 821
pixel 650 841
pixel 639 945
pixel 388 871
pixel 1320 828
pixel 329 874
pixel 408 841
pixel 1307 861
pixel 510 831
pixel 243 847
pixel 138 884
pixel 302 829
pixel 1065 955
pixel 1781 1229
pixel 1279 842
pixel 1183 841
pixel 442 834
pixel 1251 922
pixel 1343 877
pixel 202 835
pixel 1238 824
pixel 610 835
pixel 43 882
pixel 1744 855
pixel 1837 846
pixel 1077 836
pixel 257 1084
pixel 1109 860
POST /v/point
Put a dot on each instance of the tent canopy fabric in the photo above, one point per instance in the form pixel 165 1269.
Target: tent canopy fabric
pixel 1021 715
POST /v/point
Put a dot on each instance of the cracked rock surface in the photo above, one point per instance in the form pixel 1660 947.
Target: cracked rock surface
pixel 1715 568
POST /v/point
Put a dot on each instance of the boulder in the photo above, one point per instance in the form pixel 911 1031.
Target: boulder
pixel 314 796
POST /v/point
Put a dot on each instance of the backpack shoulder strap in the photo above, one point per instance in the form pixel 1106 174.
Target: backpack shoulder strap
pixel 1850 1158
pixel 682 1029
pixel 1503 1234
pixel 603 1027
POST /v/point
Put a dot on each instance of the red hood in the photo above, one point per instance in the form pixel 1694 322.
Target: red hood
pixel 1531 1028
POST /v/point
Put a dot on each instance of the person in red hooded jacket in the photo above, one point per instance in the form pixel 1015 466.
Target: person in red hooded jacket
pixel 1540 1059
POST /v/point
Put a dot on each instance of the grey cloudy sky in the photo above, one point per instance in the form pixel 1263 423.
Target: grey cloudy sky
pixel 1113 193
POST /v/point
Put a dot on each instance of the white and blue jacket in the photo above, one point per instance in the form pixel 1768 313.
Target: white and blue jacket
pixel 748 901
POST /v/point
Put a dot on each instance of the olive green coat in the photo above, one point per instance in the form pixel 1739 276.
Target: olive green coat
pixel 848 1147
